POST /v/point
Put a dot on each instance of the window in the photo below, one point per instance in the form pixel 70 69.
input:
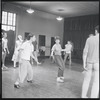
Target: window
pixel 8 21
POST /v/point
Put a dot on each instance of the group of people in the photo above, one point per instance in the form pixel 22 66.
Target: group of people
pixel 67 52
pixel 15 57
pixel 90 61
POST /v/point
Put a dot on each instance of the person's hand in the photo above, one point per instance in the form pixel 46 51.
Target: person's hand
pixel 84 66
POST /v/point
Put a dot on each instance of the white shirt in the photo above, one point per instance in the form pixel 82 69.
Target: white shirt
pixel 57 49
pixel 27 49
pixel 18 44
pixel 92 49
pixel 68 48
pixel 4 41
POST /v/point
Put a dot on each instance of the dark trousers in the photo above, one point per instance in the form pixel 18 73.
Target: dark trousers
pixel 61 66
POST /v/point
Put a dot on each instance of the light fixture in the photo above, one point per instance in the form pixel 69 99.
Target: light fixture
pixel 59 18
pixel 30 11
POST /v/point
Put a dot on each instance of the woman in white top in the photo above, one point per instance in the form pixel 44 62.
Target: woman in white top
pixel 68 49
pixel 5 50
pixel 15 57
pixel 56 51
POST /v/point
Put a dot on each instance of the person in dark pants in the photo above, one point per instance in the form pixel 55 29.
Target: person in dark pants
pixel 56 51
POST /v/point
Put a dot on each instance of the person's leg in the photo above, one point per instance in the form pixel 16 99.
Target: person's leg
pixel 35 54
pixel 22 72
pixel 95 86
pixel 29 72
pixel 59 62
pixel 3 60
pixel 65 57
pixel 87 78
pixel 70 59
pixel 63 66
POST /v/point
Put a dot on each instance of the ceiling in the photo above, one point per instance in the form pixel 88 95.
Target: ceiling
pixel 70 9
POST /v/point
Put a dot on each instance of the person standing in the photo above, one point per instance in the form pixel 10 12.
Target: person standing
pixel 25 68
pixel 5 50
pixel 68 49
pixel 91 65
pixel 15 57
pixel 35 52
pixel 56 51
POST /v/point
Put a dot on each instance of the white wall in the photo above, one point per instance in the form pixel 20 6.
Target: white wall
pixel 36 24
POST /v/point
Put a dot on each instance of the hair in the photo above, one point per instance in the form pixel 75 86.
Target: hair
pixel 29 36
pixel 97 28
pixel 91 35
pixel 3 33
pixel 57 38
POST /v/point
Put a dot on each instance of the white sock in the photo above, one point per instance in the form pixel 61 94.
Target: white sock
pixel 17 83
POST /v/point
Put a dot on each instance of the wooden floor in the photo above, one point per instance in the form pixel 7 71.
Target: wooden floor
pixel 44 82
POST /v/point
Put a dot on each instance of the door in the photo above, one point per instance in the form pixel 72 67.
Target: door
pixel 11 44
pixel 42 44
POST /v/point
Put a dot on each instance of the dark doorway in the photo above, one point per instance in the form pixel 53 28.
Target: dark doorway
pixel 41 40
pixel 41 45
pixel 11 44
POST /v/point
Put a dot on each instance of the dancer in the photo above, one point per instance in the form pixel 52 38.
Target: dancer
pixel 35 52
pixel 5 50
pixel 68 49
pixel 56 51
pixel 25 68
pixel 91 63
pixel 15 57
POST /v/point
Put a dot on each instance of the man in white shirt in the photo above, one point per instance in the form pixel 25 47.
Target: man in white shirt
pixel 91 65
pixel 25 68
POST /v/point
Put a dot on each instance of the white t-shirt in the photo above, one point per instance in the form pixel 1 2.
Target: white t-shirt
pixel 57 49
pixel 27 49
pixel 68 48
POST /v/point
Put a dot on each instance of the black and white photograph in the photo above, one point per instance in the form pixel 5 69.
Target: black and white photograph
pixel 50 49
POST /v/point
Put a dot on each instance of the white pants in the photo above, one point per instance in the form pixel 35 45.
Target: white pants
pixel 25 69
pixel 87 77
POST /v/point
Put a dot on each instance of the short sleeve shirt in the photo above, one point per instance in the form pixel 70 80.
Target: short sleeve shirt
pixel 92 49
pixel 57 49
pixel 68 48
pixel 27 49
